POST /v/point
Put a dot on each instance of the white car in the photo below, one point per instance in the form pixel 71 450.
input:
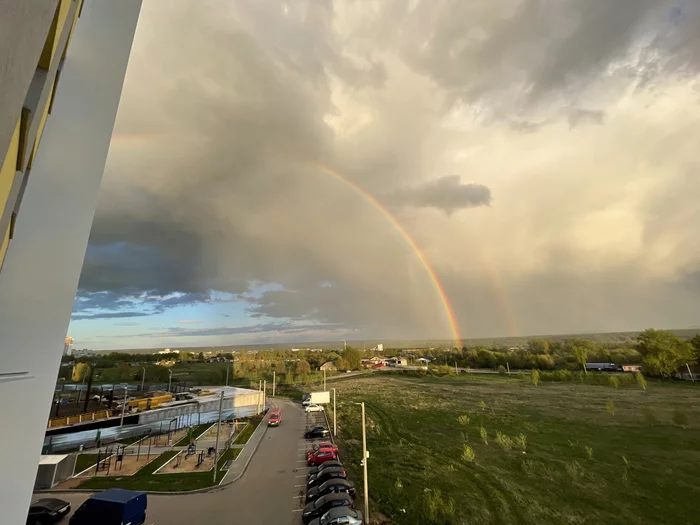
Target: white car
pixel 314 408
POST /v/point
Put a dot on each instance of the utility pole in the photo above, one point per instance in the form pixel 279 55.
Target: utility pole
pixel 508 367
pixel 335 428
pixel 143 377
pixel 126 397
pixel 218 430
pixel 690 373
pixel 456 372
pixel 345 345
pixel 324 380
pixel 89 386
pixel 274 381
pixel 264 393
pixel 364 462
pixel 170 378
pixel 226 375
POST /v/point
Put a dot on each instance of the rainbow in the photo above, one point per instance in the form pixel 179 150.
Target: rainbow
pixel 449 312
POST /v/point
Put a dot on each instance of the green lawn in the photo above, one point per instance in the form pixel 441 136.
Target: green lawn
pixel 198 431
pixel 556 453
pixel 145 479
pixel 84 461
pixel 245 434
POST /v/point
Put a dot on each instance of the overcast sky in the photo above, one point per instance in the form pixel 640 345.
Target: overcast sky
pixel 542 155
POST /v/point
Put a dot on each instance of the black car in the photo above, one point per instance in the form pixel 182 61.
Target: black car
pixel 323 466
pixel 330 487
pixel 323 504
pixel 340 516
pixel 48 510
pixel 325 475
pixel 316 432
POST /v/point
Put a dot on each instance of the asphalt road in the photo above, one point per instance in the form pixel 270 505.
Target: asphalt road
pixel 269 493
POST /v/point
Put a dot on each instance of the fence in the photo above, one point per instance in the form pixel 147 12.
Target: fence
pixel 80 418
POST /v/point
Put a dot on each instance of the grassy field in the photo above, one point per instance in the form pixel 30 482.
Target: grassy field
pixel 558 453
pixel 84 461
pixel 196 432
pixel 245 434
pixel 145 479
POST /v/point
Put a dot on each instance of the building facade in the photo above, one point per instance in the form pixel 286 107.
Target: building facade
pixel 68 346
pixel 62 68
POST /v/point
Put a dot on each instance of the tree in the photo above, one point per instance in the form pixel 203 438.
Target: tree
pixel 352 358
pixel 303 368
pixel 663 353
pixel 695 341
pixel 81 371
pixel 581 355
pixel 538 346
pixel 201 356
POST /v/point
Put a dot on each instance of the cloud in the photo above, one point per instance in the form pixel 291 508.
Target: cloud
pixel 579 119
pixel 447 193
pixel 189 321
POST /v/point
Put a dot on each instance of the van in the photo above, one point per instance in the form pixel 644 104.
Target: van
pixel 275 417
pixel 112 507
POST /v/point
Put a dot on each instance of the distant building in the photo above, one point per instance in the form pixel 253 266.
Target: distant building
pixel 631 368
pixel 423 360
pixel 68 346
pixel 82 353
pixel 168 351
pixel 329 365
pixel 380 347
pixel 397 361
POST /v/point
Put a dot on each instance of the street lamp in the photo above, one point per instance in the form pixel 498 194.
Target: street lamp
pixel 364 461
pixel 170 378
pixel 126 397
pixel 143 377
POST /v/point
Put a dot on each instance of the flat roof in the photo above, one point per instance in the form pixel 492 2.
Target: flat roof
pixel 52 459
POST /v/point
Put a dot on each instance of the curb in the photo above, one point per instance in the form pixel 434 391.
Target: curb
pixel 220 486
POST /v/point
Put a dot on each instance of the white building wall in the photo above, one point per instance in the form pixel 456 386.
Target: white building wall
pixel 42 268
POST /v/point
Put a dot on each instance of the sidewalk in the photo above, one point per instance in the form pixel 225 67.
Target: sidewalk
pixel 239 466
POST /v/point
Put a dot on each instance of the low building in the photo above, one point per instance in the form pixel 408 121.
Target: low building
pixel 329 365
pixel 397 361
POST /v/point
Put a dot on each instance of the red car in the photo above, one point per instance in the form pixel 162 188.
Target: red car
pixel 320 446
pixel 321 456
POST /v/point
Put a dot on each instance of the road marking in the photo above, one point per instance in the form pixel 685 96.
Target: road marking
pixel 297 497
pixel 298 510
pixel 299 486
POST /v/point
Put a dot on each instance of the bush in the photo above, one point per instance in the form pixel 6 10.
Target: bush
pixel 468 454
pixel 535 377
pixel 505 442
pixel 484 435
pixel 520 442
pixel 463 420
pixel 502 370
pixel 610 407
pixel 614 381
pixel 641 380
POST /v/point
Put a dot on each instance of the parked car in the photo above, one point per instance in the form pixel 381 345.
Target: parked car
pixel 311 407
pixel 112 506
pixel 319 446
pixel 316 432
pixel 47 510
pixel 330 487
pixel 321 456
pixel 325 503
pixel 340 516
pixel 325 475
pixel 323 466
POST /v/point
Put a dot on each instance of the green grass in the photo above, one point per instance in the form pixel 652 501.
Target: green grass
pixel 245 434
pixel 198 431
pixel 84 461
pixel 580 464
pixel 145 479
pixel 131 440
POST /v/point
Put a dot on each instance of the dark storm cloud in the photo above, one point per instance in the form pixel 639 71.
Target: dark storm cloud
pixel 210 186
pixel 447 193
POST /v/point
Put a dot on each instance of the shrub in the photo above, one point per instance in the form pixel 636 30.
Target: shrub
pixel 463 420
pixel 520 442
pixel 610 407
pixel 535 377
pixel 504 441
pixel 589 452
pixel 482 405
pixel 502 370
pixel 435 509
pixel 614 381
pixel 484 435
pixel 641 380
pixel 468 454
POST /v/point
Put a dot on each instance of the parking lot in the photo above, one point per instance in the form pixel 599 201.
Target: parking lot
pixel 271 492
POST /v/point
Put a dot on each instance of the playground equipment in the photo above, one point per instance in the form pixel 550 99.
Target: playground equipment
pixel 200 458
pixel 178 460
pixel 104 460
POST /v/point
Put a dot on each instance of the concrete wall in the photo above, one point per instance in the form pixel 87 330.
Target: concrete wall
pixel 42 267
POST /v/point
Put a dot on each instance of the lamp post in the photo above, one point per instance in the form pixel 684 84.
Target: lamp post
pixel 170 378
pixel 218 430
pixel 126 397
pixel 143 377
pixel 364 461
pixel 335 428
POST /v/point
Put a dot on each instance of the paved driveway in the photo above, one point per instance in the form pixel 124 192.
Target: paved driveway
pixel 269 493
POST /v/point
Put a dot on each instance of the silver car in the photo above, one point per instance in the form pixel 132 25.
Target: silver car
pixel 340 516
